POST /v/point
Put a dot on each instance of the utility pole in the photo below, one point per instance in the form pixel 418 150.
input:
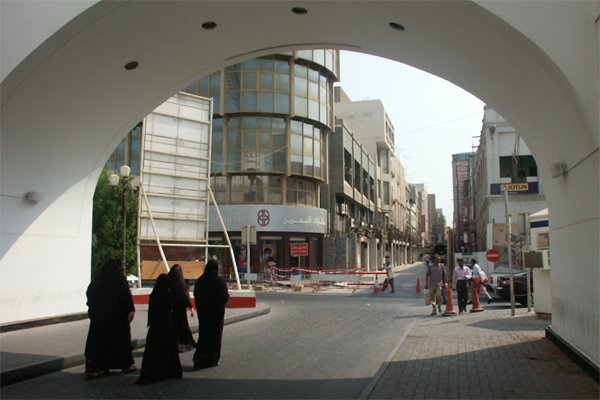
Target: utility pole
pixel 509 246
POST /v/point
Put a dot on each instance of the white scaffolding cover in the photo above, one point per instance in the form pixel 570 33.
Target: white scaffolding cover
pixel 176 170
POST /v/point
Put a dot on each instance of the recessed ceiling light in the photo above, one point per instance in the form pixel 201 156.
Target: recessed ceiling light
pixel 396 26
pixel 209 25
pixel 299 10
pixel 131 65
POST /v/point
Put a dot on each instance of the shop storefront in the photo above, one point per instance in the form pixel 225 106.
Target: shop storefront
pixel 278 229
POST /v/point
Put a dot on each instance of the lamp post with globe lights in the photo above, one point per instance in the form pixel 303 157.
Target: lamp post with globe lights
pixel 128 184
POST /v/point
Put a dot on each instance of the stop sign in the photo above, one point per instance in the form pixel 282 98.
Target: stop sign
pixel 492 255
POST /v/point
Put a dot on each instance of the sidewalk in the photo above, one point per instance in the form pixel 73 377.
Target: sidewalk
pixel 27 353
pixel 490 354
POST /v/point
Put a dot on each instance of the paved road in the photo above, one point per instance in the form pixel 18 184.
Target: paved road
pixel 308 346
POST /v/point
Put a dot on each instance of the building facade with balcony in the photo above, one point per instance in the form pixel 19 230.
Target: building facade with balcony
pixel 372 127
pixel 355 227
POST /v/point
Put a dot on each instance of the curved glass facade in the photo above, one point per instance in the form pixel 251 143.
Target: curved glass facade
pixel 272 118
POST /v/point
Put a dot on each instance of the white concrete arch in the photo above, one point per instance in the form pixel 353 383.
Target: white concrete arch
pixel 67 101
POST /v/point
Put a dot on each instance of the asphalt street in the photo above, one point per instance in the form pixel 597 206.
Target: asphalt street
pixel 311 345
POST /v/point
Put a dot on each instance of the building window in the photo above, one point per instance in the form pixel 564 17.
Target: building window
pixel 312 97
pixel 302 192
pixel 256 189
pixel 386 193
pixel 518 168
pixel 306 142
pixel 271 252
pixel 384 160
pixel 128 152
pixel 357 175
pixel 347 167
pixel 208 87
pixel 218 185
pixel 260 85
pixel 257 144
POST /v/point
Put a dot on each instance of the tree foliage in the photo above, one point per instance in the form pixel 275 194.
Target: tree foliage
pixel 107 224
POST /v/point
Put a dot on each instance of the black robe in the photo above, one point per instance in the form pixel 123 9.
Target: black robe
pixel 181 302
pixel 161 359
pixel 109 301
pixel 210 295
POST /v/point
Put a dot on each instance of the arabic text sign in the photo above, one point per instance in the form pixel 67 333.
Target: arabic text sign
pixel 281 218
pixel 298 249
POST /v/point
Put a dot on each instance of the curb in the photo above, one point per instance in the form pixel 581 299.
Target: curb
pixel 377 377
pixel 59 363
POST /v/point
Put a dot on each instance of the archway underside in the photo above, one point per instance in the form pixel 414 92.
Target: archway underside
pixel 67 105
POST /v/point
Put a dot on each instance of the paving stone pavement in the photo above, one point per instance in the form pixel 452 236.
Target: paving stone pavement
pixel 489 355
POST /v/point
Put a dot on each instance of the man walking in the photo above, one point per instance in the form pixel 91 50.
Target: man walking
pixel 480 280
pixel 460 278
pixel 435 280
pixel 389 280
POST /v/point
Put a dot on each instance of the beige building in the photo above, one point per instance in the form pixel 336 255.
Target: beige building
pixel 373 128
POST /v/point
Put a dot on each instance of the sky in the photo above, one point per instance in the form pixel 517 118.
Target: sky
pixel 432 118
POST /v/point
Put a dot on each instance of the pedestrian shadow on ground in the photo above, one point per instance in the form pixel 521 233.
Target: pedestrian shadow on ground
pixel 196 384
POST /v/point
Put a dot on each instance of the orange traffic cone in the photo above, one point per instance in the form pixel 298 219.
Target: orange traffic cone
pixel 376 287
pixel 418 286
pixel 449 305
pixel 476 306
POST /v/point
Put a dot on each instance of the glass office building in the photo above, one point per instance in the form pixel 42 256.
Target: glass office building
pixel 271 121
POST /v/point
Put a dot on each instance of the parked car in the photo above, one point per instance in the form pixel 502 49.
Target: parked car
pixel 520 278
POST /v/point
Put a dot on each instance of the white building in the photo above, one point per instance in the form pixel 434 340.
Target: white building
pixel 504 161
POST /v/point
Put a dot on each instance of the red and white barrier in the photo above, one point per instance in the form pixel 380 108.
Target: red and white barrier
pixel 237 298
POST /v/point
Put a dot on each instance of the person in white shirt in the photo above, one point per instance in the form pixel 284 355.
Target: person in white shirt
pixel 460 278
pixel 479 280
pixel 389 277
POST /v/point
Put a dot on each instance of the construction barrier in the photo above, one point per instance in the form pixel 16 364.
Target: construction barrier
pixel 273 278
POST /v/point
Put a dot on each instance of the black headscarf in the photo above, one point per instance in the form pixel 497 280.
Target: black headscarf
pixel 211 289
pixel 160 299
pixel 109 292
pixel 179 290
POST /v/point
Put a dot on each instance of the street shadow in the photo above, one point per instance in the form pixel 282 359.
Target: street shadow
pixel 512 324
pixel 21 366
pixel 197 385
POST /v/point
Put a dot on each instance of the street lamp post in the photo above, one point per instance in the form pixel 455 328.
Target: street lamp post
pixel 125 171
pixel 113 180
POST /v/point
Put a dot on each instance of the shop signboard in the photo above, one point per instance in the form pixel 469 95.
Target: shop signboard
pixel 298 249
pixel 514 188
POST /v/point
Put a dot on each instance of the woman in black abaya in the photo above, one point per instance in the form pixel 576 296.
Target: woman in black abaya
pixel 181 302
pixel 211 295
pixel 161 359
pixel 111 310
